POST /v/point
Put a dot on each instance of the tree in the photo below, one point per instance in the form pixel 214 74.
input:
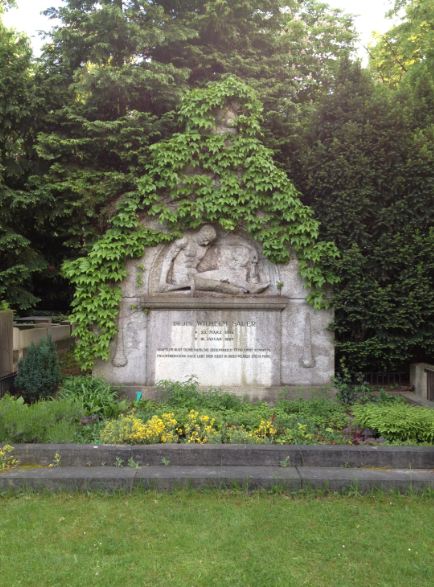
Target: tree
pixel 367 168
pixel 407 49
pixel 120 69
pixel 18 259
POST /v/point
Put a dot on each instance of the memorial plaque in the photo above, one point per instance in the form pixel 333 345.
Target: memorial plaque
pixel 216 347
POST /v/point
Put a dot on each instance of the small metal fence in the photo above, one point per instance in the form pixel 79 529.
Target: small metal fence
pixel 7 383
pixel 398 378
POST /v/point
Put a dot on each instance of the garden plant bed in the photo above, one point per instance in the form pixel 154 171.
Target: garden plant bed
pixel 85 438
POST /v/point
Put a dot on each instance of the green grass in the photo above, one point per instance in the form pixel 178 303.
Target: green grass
pixel 219 539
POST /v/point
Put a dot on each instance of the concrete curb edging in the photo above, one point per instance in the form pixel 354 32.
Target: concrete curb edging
pixel 217 455
pixel 110 479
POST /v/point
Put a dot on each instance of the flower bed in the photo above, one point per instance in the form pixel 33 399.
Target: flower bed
pixel 88 411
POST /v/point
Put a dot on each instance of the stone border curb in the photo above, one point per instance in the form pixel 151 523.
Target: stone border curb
pixel 217 455
pixel 111 479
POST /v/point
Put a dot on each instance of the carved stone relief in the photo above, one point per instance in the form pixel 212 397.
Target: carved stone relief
pixel 201 261
pixel 307 359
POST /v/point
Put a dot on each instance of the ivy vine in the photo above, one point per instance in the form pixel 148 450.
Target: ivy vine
pixel 197 177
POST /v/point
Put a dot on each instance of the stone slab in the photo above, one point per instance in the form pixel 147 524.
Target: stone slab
pixel 169 477
pixel 68 479
pixel 398 457
pixel 339 479
pixel 216 347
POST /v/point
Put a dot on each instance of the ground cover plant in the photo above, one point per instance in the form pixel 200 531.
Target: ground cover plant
pixel 95 396
pixel 399 422
pixel 43 421
pixel 210 538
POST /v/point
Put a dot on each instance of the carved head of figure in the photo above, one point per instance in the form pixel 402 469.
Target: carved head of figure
pixel 236 256
pixel 226 119
pixel 205 235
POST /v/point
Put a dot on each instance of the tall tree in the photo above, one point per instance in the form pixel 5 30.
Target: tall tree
pixel 18 259
pixel 121 68
pixel 368 170
pixel 406 49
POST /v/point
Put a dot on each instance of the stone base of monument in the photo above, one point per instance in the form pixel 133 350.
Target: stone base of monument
pixel 252 393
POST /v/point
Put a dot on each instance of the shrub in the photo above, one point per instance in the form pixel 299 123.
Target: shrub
pixel 7 461
pixel 187 395
pixel 43 421
pixel 397 422
pixel 94 395
pixel 38 371
pixel 129 429
pixel 197 428
pixel 163 428
pixel 321 412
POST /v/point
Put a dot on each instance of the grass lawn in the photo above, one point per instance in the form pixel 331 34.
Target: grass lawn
pixel 217 539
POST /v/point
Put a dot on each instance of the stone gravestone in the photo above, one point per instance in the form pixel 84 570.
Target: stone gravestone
pixel 210 306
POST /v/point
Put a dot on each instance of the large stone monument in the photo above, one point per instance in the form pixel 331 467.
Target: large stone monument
pixel 210 306
pixel 208 303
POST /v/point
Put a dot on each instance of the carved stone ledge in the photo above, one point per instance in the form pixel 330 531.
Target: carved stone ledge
pixel 187 302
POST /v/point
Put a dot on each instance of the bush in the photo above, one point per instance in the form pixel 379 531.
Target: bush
pixel 163 428
pixel 321 412
pixel 38 371
pixel 187 395
pixel 397 422
pixel 43 421
pixel 95 396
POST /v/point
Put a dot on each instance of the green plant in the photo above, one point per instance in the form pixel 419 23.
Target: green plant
pixel 397 422
pixel 56 461
pixel 351 388
pixel 38 371
pixel 285 462
pixel 133 430
pixel 43 421
pixel 237 435
pixel 7 461
pixel 133 464
pixel 94 395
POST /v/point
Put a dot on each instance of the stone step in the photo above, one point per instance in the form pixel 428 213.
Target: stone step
pixel 216 455
pixel 249 477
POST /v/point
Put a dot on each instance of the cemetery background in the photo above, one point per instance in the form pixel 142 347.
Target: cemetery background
pixel 356 144
pixel 74 172
pixel 78 132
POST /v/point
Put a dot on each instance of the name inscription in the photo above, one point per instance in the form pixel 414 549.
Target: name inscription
pixel 227 341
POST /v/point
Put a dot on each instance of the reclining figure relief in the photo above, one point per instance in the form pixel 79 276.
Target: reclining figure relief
pixel 235 271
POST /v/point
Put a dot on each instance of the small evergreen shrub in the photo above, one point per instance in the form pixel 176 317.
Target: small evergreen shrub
pixel 95 396
pixel 397 422
pixel 38 371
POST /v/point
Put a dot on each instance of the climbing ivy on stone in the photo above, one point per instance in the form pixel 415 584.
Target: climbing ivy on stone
pixel 195 177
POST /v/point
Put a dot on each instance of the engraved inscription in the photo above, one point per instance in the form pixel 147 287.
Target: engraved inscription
pixel 221 351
